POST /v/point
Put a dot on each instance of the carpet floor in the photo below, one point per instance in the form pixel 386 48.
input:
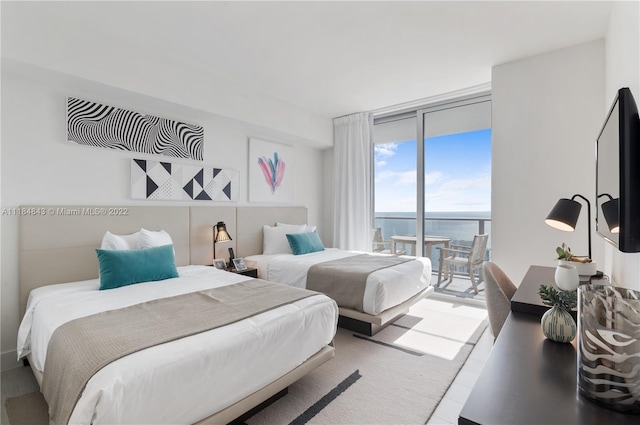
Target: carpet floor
pixel 395 377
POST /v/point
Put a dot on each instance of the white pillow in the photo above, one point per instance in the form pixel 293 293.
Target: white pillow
pixel 275 241
pixel 296 228
pixel 120 242
pixel 150 238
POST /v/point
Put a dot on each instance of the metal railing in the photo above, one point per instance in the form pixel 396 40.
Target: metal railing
pixel 460 229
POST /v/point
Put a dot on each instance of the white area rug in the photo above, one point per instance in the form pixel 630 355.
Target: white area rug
pixel 395 377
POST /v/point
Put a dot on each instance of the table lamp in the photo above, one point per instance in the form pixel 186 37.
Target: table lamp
pixel 564 215
pixel 220 235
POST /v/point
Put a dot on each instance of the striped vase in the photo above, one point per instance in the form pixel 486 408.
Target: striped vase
pixel 558 325
pixel 609 347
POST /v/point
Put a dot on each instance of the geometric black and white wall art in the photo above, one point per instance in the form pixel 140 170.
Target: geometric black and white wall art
pixel 95 124
pixel 168 181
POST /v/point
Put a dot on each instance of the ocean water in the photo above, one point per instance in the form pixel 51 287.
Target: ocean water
pixel 460 226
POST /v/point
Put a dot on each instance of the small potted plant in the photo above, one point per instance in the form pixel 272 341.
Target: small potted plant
pixel 584 265
pixel 557 323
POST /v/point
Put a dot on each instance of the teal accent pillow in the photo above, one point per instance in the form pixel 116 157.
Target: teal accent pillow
pixel 126 267
pixel 304 243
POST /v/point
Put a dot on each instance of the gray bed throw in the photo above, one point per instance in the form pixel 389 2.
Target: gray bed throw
pixel 345 279
pixel 80 348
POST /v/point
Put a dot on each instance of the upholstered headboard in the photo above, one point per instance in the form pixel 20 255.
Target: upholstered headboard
pixel 57 243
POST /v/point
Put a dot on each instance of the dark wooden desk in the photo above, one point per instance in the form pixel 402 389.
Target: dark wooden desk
pixel 526 298
pixel 531 380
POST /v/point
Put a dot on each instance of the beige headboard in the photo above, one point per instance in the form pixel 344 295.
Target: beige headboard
pixel 57 243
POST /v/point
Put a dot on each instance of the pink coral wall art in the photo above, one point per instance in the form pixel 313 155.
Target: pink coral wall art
pixel 270 172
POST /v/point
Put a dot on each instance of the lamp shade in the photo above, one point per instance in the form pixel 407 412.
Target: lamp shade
pixel 564 215
pixel 611 212
pixel 221 233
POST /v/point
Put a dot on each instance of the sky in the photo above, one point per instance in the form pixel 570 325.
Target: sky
pixel 457 174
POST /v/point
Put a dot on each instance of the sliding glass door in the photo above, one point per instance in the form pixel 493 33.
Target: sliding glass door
pixel 457 162
pixel 395 194
pixel 439 188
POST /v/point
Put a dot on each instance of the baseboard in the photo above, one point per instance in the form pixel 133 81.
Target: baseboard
pixel 8 360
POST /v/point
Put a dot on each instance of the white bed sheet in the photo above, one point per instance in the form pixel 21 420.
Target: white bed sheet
pixel 189 379
pixel 385 288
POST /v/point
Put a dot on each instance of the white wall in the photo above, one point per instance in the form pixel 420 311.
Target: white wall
pixel 547 111
pixel 40 167
pixel 623 70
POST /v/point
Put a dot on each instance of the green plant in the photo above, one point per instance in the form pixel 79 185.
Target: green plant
pixel 564 253
pixel 563 299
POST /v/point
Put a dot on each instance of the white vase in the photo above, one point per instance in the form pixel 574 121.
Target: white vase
pixel 567 277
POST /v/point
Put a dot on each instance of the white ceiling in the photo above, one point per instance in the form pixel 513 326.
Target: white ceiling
pixel 332 58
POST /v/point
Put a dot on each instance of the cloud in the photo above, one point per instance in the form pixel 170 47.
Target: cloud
pixel 396 192
pixel 385 175
pixel 383 152
pixel 433 177
pixel 397 178
pixel 407 178
pixel 456 185
pixel 472 194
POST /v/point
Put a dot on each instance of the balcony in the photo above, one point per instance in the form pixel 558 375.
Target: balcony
pixel 459 229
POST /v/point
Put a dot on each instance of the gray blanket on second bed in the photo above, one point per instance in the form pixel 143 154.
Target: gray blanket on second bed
pixel 345 279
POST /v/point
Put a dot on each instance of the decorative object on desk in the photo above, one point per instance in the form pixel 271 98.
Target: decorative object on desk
pixel 566 277
pixel 239 263
pixel 609 343
pixel 557 324
pixel 220 264
pixel 220 235
pixel 583 265
pixel 564 216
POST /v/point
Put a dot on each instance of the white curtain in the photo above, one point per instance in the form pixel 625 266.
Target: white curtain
pixel 352 157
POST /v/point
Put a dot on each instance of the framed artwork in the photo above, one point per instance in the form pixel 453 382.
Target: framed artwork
pixel 166 180
pixel 271 172
pixel 219 263
pixel 94 124
pixel 239 263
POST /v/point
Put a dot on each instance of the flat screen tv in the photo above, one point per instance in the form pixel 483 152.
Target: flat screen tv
pixel 618 174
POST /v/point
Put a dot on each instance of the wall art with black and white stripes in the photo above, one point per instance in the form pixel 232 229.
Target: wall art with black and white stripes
pixel 165 180
pixel 95 124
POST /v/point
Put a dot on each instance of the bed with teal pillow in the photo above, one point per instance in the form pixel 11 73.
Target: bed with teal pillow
pixel 126 267
pixel 305 243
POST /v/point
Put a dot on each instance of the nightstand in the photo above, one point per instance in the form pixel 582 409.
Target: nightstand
pixel 247 272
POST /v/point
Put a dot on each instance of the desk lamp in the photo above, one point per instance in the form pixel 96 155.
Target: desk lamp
pixel 220 235
pixel 564 215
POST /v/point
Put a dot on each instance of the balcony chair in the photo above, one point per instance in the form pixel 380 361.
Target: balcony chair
pixel 499 290
pixel 379 244
pixel 469 257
